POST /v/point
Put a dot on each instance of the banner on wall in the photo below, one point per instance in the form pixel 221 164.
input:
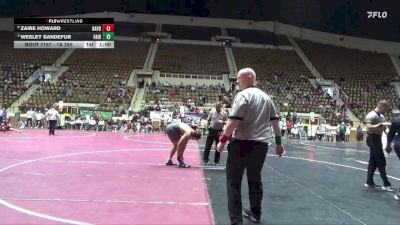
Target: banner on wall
pixel 189 117
pixel 103 115
pixel 84 113
pixel 106 115
pixel 157 115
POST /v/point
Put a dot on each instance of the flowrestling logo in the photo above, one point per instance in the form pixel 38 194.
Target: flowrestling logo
pixel 377 14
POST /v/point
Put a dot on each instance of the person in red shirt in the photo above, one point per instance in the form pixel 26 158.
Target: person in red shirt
pixel 172 94
pixel 289 126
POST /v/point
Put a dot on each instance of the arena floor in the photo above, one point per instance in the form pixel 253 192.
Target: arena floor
pixel 319 183
pixel 119 178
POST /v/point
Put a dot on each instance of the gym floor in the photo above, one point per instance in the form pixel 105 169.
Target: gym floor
pixel 316 182
pixel 80 177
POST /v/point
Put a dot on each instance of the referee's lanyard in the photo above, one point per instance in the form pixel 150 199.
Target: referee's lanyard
pixel 218 115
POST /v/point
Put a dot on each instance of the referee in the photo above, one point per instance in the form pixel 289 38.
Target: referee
pixel 216 120
pixel 52 115
pixel 375 127
pixel 249 124
pixel 394 136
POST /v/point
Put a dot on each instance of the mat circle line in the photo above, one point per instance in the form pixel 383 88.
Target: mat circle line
pixel 57 219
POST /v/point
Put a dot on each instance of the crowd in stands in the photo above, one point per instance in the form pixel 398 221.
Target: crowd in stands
pixel 362 96
pixel 291 94
pixel 283 76
pixel 95 77
pixel 100 77
pixel 17 65
pixel 364 77
pixel 196 95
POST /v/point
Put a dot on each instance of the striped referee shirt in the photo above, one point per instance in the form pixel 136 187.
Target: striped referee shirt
pixel 255 110
pixel 214 117
pixel 52 114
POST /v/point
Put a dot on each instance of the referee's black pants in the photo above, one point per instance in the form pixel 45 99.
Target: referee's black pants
pixel 52 126
pixel 376 159
pixel 213 135
pixel 29 122
pixel 249 155
pixel 397 148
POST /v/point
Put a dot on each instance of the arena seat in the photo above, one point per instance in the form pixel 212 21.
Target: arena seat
pixel 17 65
pixel 191 59
pixel 98 77
pixel 191 32
pixel 364 77
pixel 258 37
pixel 283 76
pixel 133 29
pixel 184 94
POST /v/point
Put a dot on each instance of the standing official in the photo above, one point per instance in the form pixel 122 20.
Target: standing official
pixel 252 114
pixel 375 127
pixel 52 116
pixel 394 136
pixel 216 120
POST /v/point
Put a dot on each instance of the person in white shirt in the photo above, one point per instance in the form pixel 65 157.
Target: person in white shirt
pixel 39 119
pixel 52 116
pixel 348 131
pixel 101 125
pixel 78 124
pixel 34 122
pixel 3 115
pixel 92 123
pixel 29 115
pixel 47 77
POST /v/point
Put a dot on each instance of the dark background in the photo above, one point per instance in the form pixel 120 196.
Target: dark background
pixel 336 16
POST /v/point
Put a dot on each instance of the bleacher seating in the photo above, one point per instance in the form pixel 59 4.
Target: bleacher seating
pixel 336 62
pixel 284 76
pixel 258 37
pixel 183 93
pixel 191 59
pixel 190 32
pixel 363 76
pixel 133 29
pixel 265 61
pixel 291 92
pixel 98 77
pixel 17 65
